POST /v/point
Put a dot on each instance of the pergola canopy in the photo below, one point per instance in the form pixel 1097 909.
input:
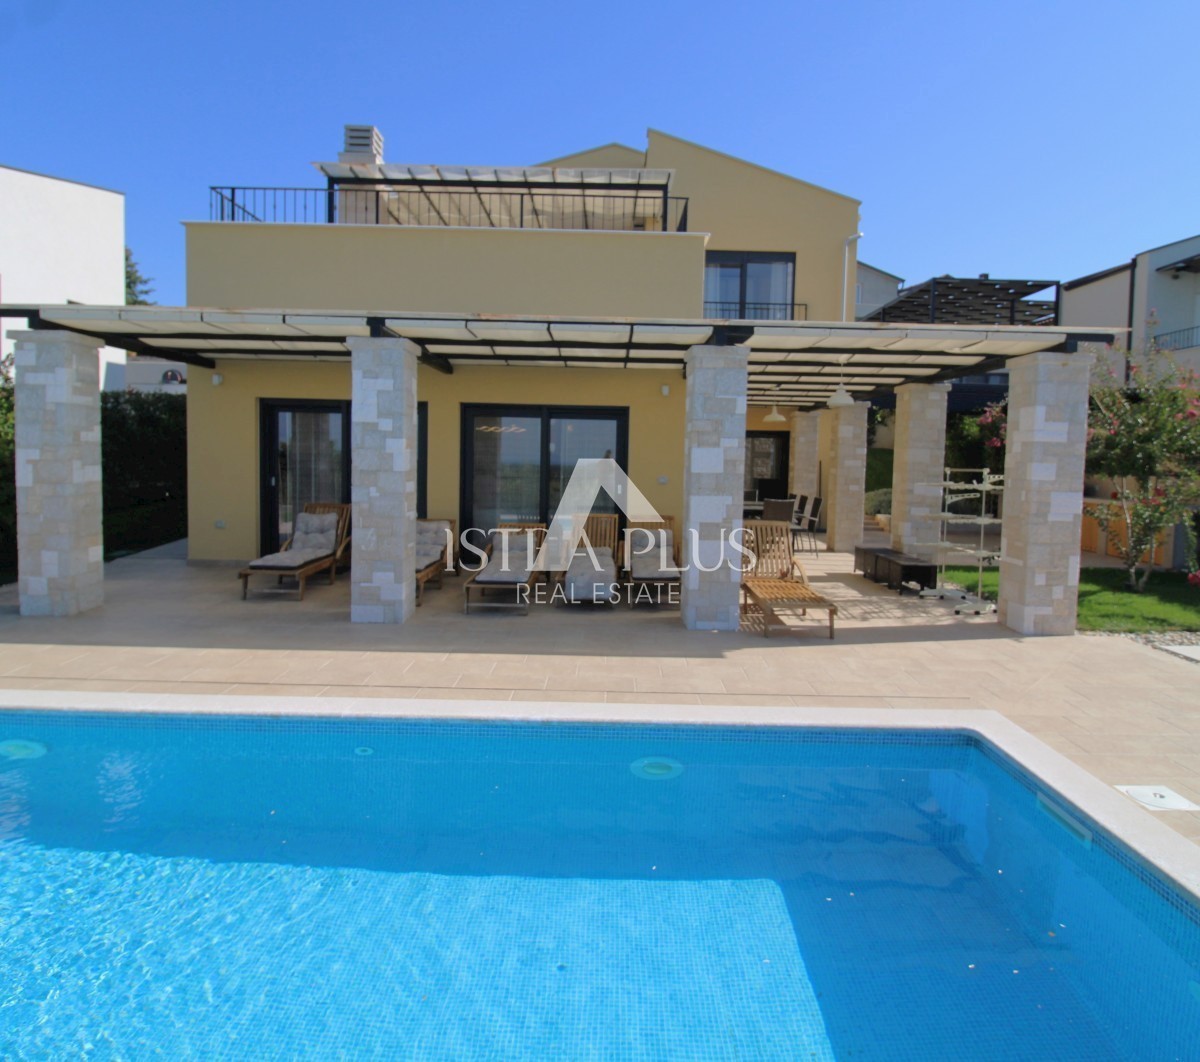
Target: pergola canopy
pixel 502 178
pixel 790 363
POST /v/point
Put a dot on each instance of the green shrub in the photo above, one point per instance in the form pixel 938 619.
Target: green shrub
pixel 879 469
pixel 878 502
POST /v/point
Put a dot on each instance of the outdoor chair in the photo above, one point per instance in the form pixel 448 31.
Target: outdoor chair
pixel 435 553
pixel 806 523
pixel 320 541
pixel 645 546
pixel 776 583
pixel 779 509
pixel 588 581
pixel 514 584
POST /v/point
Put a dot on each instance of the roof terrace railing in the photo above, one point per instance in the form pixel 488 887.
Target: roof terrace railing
pixel 1180 339
pixel 757 311
pixel 608 210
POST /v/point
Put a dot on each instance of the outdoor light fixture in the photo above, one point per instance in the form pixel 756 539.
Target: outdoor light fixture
pixel 774 417
pixel 840 397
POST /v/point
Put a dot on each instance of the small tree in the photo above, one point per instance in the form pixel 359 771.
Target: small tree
pixel 1144 435
pixel 137 287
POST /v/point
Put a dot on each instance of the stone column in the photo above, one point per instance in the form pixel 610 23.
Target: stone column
pixel 846 476
pixel 920 459
pixel 714 463
pixel 383 439
pixel 59 533
pixel 806 459
pixel 1043 491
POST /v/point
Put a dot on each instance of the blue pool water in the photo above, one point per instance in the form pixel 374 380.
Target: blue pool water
pixel 257 888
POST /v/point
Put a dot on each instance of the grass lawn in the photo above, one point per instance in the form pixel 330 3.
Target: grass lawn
pixel 1169 603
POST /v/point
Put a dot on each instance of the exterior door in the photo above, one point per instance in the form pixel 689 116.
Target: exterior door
pixel 767 463
pixel 305 458
pixel 517 460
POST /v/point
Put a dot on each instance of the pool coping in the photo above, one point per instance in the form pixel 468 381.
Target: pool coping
pixel 1166 852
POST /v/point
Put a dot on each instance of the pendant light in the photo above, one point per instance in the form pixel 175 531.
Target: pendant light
pixel 774 417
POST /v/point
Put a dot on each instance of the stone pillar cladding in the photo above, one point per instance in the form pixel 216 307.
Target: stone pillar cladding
pixel 847 477
pixel 806 459
pixel 1043 491
pixel 713 484
pixel 920 459
pixel 383 441
pixel 60 542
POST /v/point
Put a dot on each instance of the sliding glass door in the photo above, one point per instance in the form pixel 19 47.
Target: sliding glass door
pixel 517 460
pixel 305 458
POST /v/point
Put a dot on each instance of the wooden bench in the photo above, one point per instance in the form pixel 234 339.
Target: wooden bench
pixel 894 568
pixel 774 596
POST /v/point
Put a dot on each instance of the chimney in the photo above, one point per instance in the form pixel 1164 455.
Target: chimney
pixel 363 143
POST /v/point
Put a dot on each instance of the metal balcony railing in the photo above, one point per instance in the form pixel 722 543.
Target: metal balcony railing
pixel 757 311
pixel 606 210
pixel 1180 339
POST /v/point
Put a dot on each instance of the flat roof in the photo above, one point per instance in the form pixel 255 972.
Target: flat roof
pixel 795 363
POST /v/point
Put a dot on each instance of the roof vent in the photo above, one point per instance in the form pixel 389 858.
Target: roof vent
pixel 363 143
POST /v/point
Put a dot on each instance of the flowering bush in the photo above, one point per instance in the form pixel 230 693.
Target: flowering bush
pixel 993 431
pixel 1144 434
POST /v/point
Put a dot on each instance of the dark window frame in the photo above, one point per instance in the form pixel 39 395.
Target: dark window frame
pixel 742 259
pixel 468 411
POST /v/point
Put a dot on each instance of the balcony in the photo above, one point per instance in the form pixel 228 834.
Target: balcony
pixel 757 311
pixel 600 209
pixel 1180 339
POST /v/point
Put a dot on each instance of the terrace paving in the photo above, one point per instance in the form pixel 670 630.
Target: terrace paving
pixel 1127 713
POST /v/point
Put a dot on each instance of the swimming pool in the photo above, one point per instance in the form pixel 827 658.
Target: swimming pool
pixel 265 887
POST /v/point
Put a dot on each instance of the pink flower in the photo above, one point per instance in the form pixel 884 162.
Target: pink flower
pixel 1194 578
pixel 995 444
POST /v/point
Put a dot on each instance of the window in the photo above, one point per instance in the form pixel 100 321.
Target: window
pixel 755 285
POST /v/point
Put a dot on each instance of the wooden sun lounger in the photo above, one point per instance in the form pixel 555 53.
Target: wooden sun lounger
pixel 303 572
pixel 516 599
pixel 435 571
pixel 778 584
pixel 660 579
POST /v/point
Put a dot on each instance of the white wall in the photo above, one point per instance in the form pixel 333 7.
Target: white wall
pixel 59 242
pixel 874 289
pixel 1166 302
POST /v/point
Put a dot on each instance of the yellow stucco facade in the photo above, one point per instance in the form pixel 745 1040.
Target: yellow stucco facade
pixel 733 205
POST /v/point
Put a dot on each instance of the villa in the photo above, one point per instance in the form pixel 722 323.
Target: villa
pixel 448 341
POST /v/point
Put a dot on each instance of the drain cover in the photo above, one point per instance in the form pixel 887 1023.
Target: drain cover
pixel 656 768
pixel 1158 798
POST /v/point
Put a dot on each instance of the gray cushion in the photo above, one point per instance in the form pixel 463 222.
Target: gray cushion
pixel 585 582
pixel 648 564
pixel 315 531
pixel 289 559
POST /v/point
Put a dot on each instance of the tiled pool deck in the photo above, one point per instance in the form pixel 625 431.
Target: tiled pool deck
pixel 1125 712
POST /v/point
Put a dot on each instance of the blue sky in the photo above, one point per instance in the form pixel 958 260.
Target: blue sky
pixel 1045 141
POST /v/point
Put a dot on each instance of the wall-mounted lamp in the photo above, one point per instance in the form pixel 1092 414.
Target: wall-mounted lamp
pixel 666 390
pixel 217 379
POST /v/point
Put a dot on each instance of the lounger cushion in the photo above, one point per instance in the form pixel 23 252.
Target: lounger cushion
pixel 588 581
pixel 520 561
pixel 315 531
pixel 648 565
pixel 290 559
pixel 427 557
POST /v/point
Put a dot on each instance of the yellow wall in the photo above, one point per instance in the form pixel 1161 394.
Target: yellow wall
pixel 443 270
pixel 618 156
pixel 223 446
pixel 748 208
pixel 223 433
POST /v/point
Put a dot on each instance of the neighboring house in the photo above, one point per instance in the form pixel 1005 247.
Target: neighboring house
pixel 1155 295
pixel 146 373
pixel 62 241
pixel 674 231
pixel 875 288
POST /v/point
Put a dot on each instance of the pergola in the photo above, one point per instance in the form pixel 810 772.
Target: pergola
pixel 727 365
pixel 788 363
